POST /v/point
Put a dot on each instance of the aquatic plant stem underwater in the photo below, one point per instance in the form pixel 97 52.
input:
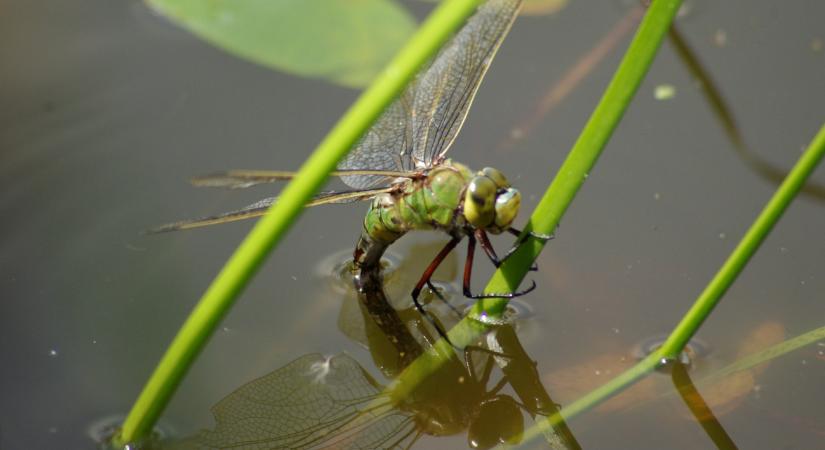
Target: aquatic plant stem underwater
pixel 248 257
pixel 709 298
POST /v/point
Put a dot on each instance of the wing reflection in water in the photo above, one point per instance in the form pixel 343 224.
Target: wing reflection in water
pixel 333 402
pixel 312 402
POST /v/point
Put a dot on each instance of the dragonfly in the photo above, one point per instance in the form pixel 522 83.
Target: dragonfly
pixel 400 164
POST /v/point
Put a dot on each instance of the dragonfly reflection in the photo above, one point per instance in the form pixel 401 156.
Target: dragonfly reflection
pixel 318 401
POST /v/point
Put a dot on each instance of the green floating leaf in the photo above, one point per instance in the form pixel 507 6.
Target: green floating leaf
pixel 342 41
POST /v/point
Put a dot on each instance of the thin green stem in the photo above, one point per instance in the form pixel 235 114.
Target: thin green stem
pixel 763 224
pixel 581 159
pixel 711 295
pixel 244 263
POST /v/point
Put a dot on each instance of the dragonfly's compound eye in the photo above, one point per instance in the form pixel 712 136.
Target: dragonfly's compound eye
pixel 479 201
pixel 498 178
pixel 507 206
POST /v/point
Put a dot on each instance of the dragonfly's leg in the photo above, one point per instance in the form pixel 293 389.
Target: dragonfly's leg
pixel 441 297
pixel 503 294
pixel 425 278
pixel 468 364
pixel 540 236
pixel 516 232
pixel 468 274
pixel 468 266
pixel 487 246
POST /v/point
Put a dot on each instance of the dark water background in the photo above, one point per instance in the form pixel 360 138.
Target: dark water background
pixel 106 110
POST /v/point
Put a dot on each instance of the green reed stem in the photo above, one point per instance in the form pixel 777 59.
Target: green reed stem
pixel 248 257
pixel 711 295
pixel 760 228
pixel 581 159
pixel 557 198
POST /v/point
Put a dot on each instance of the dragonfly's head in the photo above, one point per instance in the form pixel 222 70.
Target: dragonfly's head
pixel 490 203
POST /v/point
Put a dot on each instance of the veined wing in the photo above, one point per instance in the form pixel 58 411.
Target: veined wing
pixel 313 402
pixel 444 93
pixel 417 129
pixel 385 146
pixel 238 179
pixel 259 208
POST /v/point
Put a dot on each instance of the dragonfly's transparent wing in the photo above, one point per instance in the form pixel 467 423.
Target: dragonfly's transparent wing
pixel 445 91
pixel 260 207
pixel 312 402
pixel 419 126
pixel 240 179
pixel 385 146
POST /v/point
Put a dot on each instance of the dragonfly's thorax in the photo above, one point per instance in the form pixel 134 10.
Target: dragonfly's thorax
pixel 432 201
pixel 448 197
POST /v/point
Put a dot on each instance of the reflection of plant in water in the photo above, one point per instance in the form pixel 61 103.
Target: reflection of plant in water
pixel 320 402
pixel 721 394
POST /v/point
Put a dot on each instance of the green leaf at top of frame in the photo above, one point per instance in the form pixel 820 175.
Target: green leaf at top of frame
pixel 342 41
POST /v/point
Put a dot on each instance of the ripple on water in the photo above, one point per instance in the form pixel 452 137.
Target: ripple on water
pixel 694 351
pixel 338 269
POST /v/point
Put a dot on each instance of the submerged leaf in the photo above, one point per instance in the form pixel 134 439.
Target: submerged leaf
pixel 342 41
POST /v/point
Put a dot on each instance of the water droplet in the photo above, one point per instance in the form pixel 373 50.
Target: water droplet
pixel 52 352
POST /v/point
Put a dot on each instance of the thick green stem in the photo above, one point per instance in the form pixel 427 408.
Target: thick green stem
pixel 243 264
pixel 711 295
pixel 556 199
pixel 581 159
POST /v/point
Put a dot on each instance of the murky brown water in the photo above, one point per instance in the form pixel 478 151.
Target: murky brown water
pixel 107 110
